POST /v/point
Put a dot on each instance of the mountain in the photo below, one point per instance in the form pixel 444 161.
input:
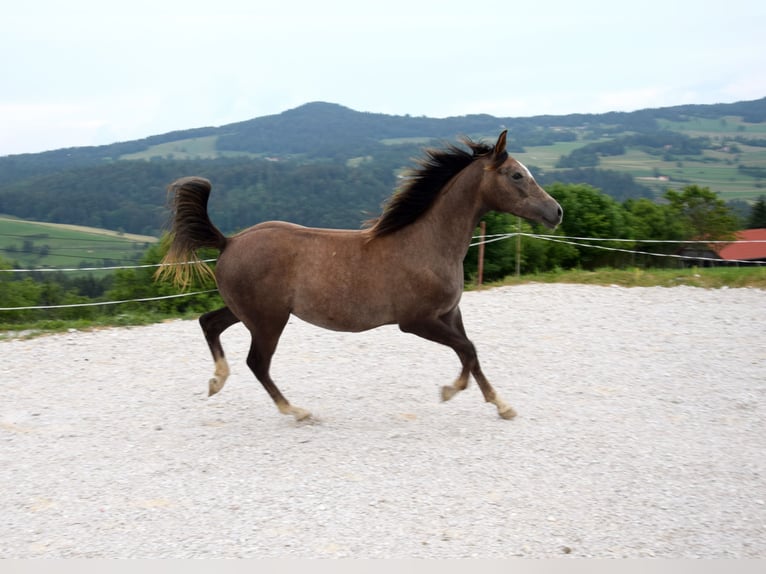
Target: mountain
pixel 325 164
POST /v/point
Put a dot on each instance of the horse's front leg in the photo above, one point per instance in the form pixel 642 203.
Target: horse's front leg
pixel 454 320
pixel 460 384
pixel 490 395
pixel 448 330
pixel 505 410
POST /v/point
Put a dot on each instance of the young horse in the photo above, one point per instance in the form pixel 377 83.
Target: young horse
pixel 406 268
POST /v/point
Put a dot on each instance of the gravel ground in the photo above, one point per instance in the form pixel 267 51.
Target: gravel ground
pixel 640 433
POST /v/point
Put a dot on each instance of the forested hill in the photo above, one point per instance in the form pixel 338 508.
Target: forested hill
pixel 325 164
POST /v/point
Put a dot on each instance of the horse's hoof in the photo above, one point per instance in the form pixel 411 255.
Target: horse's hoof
pixel 507 413
pixel 214 385
pixel 448 392
pixel 297 412
pixel 300 414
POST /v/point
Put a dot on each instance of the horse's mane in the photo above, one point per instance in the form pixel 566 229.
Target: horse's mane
pixel 423 185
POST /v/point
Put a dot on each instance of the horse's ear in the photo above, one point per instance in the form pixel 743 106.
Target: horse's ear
pixel 499 154
pixel 500 145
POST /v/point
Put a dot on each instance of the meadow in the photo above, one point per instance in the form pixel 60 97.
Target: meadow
pixel 717 169
pixel 707 277
pixel 192 148
pixel 30 244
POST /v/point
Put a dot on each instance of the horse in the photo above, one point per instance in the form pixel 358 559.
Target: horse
pixel 403 268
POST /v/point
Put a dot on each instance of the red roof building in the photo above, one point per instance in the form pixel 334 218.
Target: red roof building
pixel 745 251
pixel 753 250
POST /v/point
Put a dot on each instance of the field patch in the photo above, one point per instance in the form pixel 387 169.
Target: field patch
pixel 44 245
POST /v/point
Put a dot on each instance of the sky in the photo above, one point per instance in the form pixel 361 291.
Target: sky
pixel 82 72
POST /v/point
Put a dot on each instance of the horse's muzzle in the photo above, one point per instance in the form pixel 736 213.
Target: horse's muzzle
pixel 553 222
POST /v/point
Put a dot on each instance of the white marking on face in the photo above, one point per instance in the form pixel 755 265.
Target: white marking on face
pixel 526 169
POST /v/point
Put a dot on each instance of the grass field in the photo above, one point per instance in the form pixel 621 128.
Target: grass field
pixel 545 157
pixel 194 148
pixel 45 245
pixel 727 126
pixel 715 169
pixel 708 277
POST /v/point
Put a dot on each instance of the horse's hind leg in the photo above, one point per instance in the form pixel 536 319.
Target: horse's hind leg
pixel 265 336
pixel 213 324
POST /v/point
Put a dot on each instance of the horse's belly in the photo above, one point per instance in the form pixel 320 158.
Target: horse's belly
pixel 344 317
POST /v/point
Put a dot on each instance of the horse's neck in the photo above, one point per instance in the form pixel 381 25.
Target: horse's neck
pixel 450 223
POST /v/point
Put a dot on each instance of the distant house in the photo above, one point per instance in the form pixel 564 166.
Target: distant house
pixel 731 253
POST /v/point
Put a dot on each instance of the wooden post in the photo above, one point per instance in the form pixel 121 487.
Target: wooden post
pixel 482 233
pixel 518 251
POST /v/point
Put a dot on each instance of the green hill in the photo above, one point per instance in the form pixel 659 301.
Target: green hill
pixel 327 165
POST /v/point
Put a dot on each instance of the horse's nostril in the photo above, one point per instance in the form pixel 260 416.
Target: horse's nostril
pixel 561 213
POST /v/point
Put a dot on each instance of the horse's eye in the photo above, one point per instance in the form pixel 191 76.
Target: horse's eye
pixel 517 176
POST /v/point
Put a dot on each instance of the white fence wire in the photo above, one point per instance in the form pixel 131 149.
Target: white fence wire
pixel 478 240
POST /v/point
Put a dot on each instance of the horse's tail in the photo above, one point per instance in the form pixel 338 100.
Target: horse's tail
pixel 190 230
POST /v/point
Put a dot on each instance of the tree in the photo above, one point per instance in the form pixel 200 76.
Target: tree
pixel 588 212
pixel 702 214
pixel 16 292
pixel 757 217
pixel 651 220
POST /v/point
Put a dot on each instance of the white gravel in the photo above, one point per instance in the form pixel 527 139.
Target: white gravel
pixel 641 432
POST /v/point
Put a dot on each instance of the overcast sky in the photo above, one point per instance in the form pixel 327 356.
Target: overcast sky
pixel 83 72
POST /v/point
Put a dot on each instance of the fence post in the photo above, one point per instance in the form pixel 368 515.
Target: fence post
pixel 482 233
pixel 518 251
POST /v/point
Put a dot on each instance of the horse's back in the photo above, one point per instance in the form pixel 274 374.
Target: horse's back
pixel 327 277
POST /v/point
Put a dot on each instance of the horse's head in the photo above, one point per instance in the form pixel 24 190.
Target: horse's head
pixel 508 186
